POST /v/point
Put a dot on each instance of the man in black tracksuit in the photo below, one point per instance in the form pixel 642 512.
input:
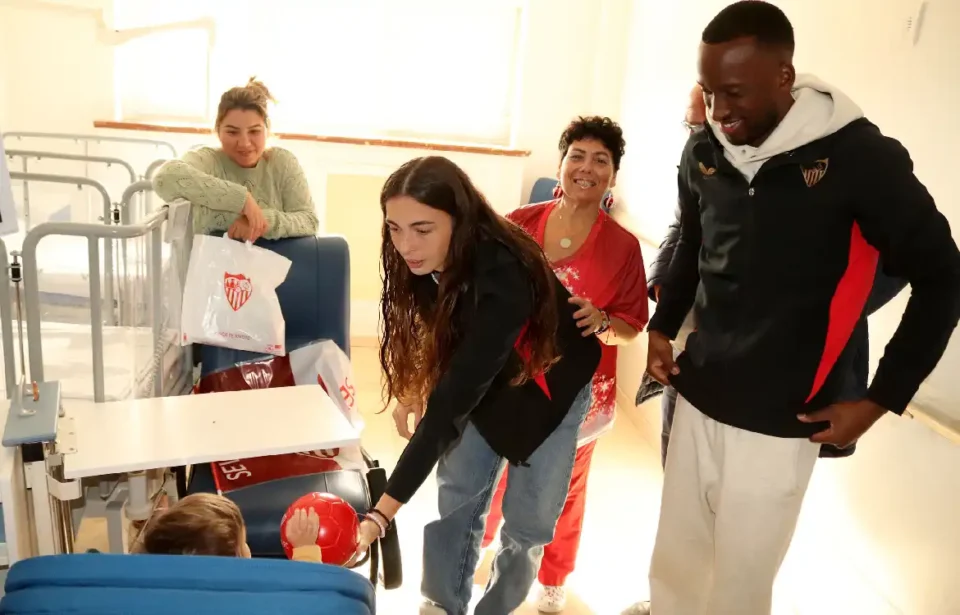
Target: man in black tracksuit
pixel 788 199
pixel 885 288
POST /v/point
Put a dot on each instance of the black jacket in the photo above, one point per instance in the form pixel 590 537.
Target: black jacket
pixel 885 287
pixel 780 270
pixel 514 420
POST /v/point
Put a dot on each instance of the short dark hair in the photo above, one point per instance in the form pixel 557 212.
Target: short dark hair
pixel 755 19
pixel 199 524
pixel 602 129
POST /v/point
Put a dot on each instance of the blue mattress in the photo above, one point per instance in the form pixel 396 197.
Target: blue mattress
pixel 105 584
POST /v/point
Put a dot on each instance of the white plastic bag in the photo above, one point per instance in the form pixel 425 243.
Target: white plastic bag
pixel 172 307
pixel 230 297
pixel 323 362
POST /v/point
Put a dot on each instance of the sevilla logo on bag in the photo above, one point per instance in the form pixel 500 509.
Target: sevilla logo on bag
pixel 347 391
pixel 238 289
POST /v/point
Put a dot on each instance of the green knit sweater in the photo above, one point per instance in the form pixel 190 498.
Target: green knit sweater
pixel 217 189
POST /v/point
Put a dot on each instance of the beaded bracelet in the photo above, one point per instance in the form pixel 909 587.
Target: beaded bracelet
pixel 604 323
pixel 380 519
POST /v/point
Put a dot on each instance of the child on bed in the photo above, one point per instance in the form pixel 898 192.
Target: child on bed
pixel 207 524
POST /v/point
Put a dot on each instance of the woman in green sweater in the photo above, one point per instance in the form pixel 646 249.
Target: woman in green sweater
pixel 242 187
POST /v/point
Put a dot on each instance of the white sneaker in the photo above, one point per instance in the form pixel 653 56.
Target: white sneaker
pixel 429 608
pixel 552 599
pixel 640 608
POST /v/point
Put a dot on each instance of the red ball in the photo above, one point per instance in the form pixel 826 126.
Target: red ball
pixel 339 527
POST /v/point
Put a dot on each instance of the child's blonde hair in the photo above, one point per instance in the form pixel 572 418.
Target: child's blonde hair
pixel 199 524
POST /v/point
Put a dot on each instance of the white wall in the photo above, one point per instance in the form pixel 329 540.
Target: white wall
pixel 57 77
pixel 880 533
pixel 4 59
pixel 574 65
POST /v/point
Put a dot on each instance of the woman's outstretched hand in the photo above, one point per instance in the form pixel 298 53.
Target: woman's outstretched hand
pixel 368 533
pixel 401 416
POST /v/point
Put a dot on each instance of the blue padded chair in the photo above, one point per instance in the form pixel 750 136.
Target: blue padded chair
pixel 315 301
pixel 542 190
pixel 113 584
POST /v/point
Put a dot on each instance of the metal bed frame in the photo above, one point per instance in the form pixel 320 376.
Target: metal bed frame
pixel 113 214
pixel 110 215
pixel 27 154
pixel 153 226
pixel 6 323
pixel 153 166
pixel 115 494
pixel 87 139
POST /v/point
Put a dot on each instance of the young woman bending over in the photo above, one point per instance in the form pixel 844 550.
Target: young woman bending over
pixel 481 348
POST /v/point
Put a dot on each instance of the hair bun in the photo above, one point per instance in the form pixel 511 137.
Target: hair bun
pixel 261 89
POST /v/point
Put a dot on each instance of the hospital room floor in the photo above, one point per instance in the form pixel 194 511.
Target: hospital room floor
pixel 625 485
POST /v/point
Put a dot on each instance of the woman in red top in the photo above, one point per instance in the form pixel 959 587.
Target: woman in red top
pixel 600 263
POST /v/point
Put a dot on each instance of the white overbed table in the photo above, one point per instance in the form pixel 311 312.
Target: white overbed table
pixel 144 434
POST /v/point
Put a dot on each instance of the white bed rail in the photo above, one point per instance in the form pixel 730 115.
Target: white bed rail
pixel 152 225
pixel 110 215
pixel 6 324
pixel 153 166
pixel 39 155
pixel 26 155
pixel 86 139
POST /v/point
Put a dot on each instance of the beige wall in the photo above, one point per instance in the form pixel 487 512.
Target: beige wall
pixel 353 207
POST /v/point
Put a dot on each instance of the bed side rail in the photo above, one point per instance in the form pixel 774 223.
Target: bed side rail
pixel 6 323
pixel 90 138
pixel 107 160
pixel 153 224
pixel 110 214
pixel 153 166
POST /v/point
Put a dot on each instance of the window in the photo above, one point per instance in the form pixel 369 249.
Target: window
pixel 161 74
pixel 429 69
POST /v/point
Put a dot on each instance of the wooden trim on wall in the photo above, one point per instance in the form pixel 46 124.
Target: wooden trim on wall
pixel 294 136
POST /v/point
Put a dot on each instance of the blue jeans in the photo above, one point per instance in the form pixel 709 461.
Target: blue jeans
pixel 467 476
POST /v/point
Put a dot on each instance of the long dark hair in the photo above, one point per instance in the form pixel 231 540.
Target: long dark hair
pixel 418 338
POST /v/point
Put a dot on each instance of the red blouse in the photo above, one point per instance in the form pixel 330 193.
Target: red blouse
pixel 608 271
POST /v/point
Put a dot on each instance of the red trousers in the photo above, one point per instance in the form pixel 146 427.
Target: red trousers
pixel 560 556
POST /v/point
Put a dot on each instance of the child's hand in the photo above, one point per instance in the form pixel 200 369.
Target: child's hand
pixel 303 528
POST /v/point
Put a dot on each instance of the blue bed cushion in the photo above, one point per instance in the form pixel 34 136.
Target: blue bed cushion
pixel 106 584
pixel 264 505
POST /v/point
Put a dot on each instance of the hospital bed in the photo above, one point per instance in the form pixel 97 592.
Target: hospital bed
pixel 63 263
pixel 27 155
pixel 132 154
pixel 134 360
pixel 86 140
pixel 53 445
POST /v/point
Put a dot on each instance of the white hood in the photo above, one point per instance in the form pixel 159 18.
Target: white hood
pixel 819 110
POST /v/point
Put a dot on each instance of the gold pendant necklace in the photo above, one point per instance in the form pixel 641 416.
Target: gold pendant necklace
pixel 565 242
